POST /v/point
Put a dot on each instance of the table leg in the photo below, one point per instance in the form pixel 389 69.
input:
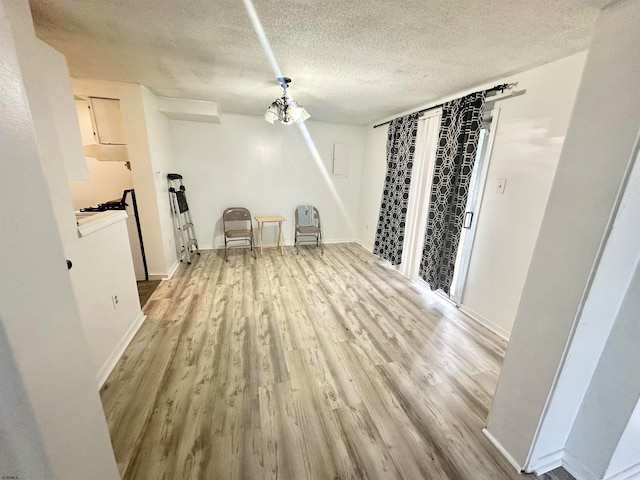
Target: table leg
pixel 280 242
pixel 260 236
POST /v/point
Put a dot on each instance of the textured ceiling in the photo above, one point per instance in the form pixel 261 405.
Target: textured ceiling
pixel 352 61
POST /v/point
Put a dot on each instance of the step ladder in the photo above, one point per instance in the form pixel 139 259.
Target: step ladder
pixel 183 225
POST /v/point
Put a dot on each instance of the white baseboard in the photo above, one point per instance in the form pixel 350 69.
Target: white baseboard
pixel 173 269
pixel 108 366
pixel 497 329
pixel 368 249
pixel 548 462
pixel 502 450
pixel 630 473
pixel 576 468
pixel 165 276
pixel 209 246
pixel 562 458
pixel 340 240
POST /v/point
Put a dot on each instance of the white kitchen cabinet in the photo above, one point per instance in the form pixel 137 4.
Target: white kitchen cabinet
pixel 108 128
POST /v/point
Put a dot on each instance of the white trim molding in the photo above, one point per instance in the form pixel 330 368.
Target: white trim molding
pixel 627 474
pixel 576 468
pixel 502 450
pixel 548 462
pixel 485 322
pixel 110 363
pixel 88 224
pixel 168 275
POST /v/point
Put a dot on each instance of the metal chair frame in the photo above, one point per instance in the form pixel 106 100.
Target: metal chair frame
pixel 237 214
pixel 313 233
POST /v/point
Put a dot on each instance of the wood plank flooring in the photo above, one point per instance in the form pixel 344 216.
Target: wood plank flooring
pixel 146 289
pixel 303 366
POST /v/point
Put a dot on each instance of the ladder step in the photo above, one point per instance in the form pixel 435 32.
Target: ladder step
pixel 186 226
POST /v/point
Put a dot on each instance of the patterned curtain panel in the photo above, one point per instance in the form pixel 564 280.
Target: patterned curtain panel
pixel 455 156
pixel 401 145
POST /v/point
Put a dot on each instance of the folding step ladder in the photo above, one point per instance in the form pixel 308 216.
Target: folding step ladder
pixel 184 232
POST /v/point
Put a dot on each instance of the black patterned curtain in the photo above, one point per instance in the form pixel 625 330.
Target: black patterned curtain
pixel 401 145
pixel 455 156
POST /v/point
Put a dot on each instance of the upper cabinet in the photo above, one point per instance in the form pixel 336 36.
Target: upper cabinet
pixel 106 118
pixel 102 128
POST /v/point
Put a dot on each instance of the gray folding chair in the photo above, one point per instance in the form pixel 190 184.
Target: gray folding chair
pixel 240 231
pixel 308 228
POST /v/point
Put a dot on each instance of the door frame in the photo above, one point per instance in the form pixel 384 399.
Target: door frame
pixel 467 249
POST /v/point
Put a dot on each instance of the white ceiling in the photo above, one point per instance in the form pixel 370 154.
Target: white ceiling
pixel 352 61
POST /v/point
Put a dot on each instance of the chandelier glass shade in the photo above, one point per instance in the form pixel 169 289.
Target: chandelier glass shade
pixel 285 109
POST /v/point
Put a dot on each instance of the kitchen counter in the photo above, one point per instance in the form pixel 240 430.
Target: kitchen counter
pixel 90 222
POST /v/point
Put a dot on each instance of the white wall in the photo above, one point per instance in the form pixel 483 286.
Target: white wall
pixel 105 181
pixel 163 161
pixel 526 150
pixel 626 459
pixel 103 267
pixel 51 421
pixel 612 396
pixel 610 283
pixel 597 152
pixel 373 172
pixel 269 169
pixel 142 149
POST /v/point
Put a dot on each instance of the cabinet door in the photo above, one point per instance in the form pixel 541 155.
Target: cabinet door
pixel 107 121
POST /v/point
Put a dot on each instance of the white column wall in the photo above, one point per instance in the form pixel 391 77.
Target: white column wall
pixel 610 284
pixel 163 161
pixel 51 421
pixel 625 461
pixel 612 396
pixel 597 152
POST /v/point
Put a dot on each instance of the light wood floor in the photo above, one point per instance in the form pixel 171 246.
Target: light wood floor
pixel 303 367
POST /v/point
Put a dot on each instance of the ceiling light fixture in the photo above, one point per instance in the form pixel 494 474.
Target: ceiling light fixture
pixel 285 109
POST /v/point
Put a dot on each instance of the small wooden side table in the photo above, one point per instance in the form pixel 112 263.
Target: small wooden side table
pixel 262 219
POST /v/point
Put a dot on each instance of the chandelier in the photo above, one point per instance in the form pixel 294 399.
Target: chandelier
pixel 285 109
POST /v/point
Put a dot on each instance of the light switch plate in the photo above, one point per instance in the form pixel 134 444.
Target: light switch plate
pixel 502 184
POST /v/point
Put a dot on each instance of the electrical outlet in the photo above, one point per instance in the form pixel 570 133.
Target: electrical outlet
pixel 114 300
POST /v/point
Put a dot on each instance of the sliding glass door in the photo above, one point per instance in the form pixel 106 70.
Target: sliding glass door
pixel 418 207
pixel 474 200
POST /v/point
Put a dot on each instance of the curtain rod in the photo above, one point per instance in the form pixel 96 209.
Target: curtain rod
pixel 501 88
